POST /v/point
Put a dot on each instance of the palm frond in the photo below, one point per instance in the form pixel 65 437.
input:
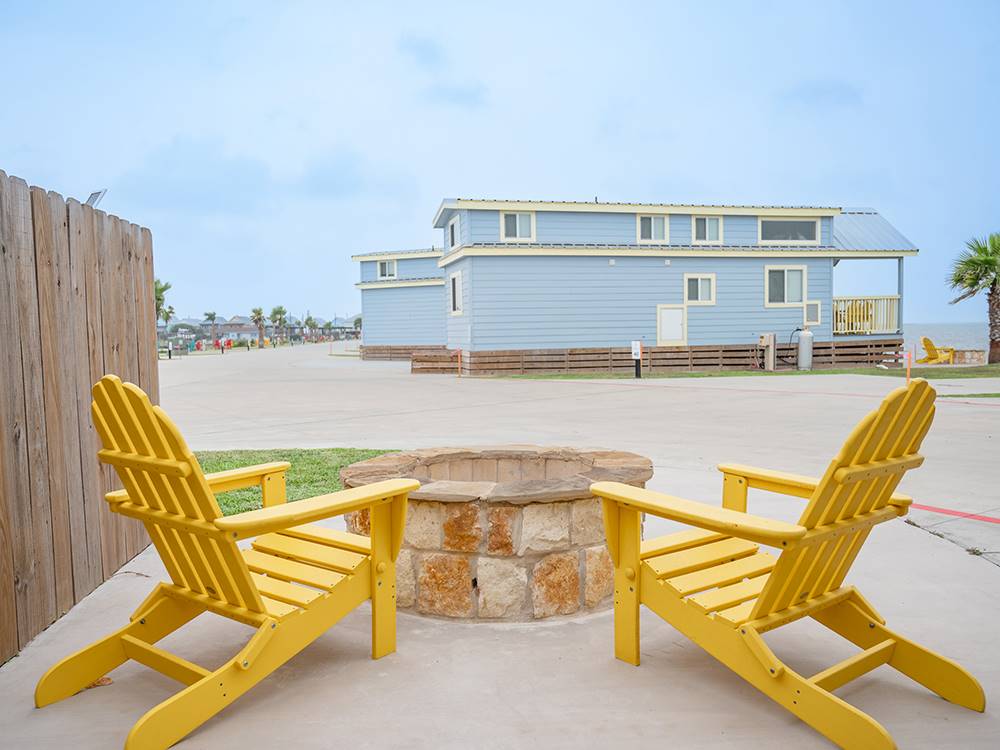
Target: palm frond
pixel 977 268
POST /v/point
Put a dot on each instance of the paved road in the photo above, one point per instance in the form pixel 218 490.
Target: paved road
pixel 303 397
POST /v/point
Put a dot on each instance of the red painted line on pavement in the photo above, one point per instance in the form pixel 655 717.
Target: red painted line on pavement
pixel 956 513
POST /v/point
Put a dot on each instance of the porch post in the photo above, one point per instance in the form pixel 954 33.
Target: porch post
pixel 899 293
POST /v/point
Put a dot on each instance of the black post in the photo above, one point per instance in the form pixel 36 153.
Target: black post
pixel 638 368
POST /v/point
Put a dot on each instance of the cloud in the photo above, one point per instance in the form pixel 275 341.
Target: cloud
pixel 196 176
pixel 425 52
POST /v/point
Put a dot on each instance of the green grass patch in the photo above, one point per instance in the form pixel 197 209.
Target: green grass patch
pixel 314 471
pixel 930 373
pixel 969 395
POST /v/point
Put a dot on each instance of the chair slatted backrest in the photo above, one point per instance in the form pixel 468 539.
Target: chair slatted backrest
pixel 929 347
pixel 843 509
pixel 168 492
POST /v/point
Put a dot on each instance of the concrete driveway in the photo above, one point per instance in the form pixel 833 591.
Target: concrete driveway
pixel 555 684
pixel 302 397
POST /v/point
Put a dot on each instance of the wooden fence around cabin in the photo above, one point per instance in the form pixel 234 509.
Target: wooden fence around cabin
pixel 399 352
pixel 76 302
pixel 657 359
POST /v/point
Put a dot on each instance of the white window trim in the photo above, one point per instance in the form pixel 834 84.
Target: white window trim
pixel 660 341
pixel 694 235
pixel 456 296
pixel 666 229
pixel 503 235
pixel 819 313
pixel 760 230
pixel 387 277
pixel 458 232
pixel 710 276
pixel 805 286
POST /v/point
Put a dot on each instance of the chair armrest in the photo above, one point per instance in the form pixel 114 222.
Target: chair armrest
pixel 722 520
pixel 269 477
pixel 254 522
pixel 780 482
pixel 784 483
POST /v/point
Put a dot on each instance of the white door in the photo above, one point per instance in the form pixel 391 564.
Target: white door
pixel 671 325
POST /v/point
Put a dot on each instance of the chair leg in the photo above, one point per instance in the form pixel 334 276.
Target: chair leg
pixel 383 574
pixel 71 675
pixel 627 585
pixel 935 672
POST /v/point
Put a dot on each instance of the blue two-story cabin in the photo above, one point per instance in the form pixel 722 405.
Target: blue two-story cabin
pixel 554 275
pixel 402 301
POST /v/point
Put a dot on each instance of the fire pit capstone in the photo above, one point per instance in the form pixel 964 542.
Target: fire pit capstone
pixel 501 533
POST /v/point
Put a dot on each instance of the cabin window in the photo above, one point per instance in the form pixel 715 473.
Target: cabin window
pixel 453 233
pixel 707 230
pixel 790 231
pixel 784 286
pixel 699 288
pixel 455 293
pixel 652 229
pixel 386 269
pixel 517 227
pixel 813 317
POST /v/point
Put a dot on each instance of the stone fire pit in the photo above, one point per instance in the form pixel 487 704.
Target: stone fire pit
pixel 501 533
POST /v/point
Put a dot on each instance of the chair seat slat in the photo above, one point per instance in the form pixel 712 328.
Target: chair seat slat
pixel 724 574
pixel 704 556
pixel 308 552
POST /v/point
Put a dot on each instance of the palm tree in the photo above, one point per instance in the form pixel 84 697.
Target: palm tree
pixel 258 319
pixel 977 270
pixel 327 327
pixel 160 289
pixel 167 314
pixel 310 324
pixel 210 317
pixel 357 323
pixel 278 318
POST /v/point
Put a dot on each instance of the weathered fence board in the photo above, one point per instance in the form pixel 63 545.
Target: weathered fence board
pixel 76 301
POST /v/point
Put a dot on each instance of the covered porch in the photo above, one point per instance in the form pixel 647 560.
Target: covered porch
pixel 867 315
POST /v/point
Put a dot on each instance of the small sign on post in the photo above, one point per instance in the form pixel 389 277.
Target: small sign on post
pixel 637 357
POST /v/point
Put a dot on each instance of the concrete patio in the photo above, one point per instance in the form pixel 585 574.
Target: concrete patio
pixel 556 684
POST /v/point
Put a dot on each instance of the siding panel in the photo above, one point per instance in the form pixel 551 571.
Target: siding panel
pixel 459 330
pixel 402 315
pixel 548 302
pixel 740 230
pixel 680 229
pixel 574 228
pixel 408 268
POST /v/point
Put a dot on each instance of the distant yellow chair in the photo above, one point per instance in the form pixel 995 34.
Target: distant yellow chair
pixel 936 355
pixel 292 585
pixel 715 586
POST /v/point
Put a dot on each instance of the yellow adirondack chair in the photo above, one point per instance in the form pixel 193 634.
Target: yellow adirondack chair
pixel 292 584
pixel 715 586
pixel 936 355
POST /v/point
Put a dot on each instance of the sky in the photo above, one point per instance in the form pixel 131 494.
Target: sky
pixel 265 143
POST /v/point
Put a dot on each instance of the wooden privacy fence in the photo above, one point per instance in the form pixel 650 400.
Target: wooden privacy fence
pixel 656 359
pixel 76 302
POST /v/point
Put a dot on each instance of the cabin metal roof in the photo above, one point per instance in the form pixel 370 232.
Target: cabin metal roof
pixel 420 251
pixel 867 229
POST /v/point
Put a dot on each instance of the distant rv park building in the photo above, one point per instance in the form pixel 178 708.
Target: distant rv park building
pixel 540 278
